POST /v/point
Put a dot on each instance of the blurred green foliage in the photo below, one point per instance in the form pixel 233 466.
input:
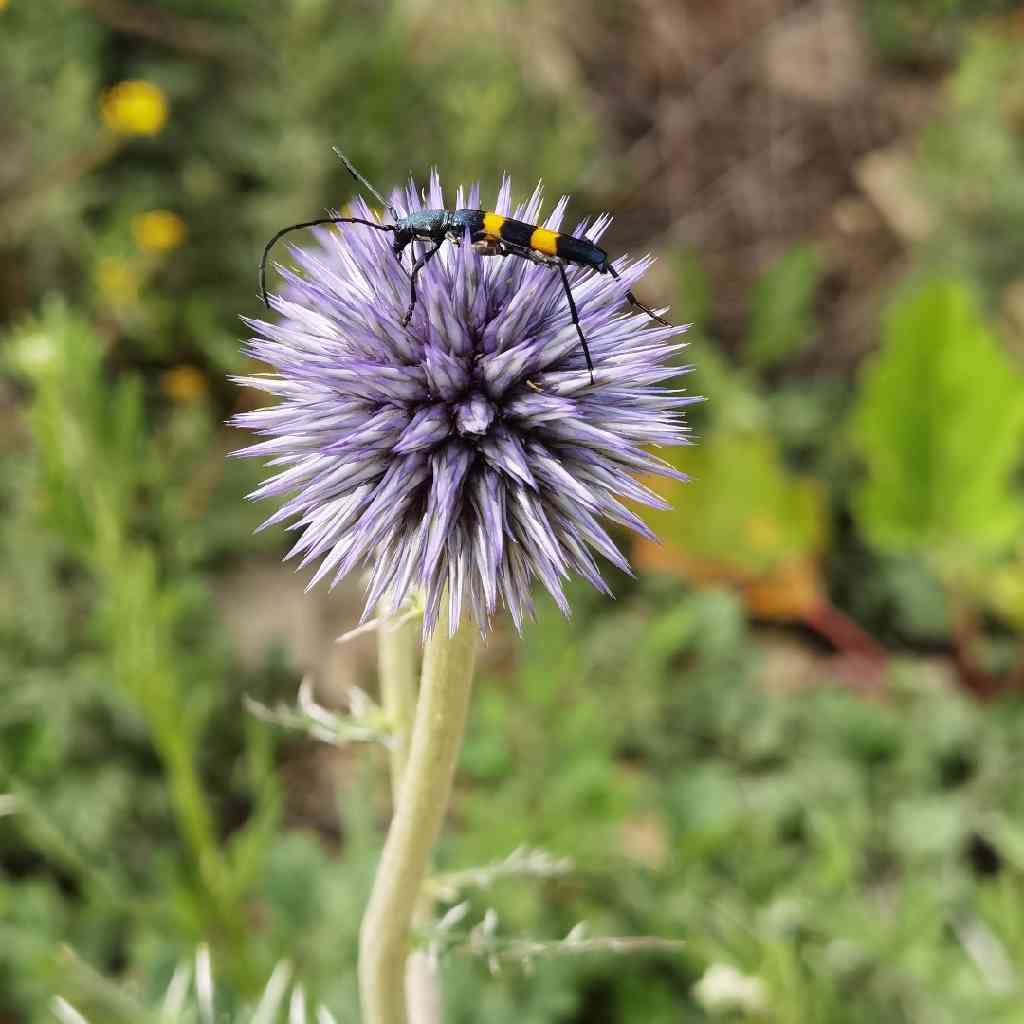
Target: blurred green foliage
pixel 843 851
pixel 971 164
pixel 939 424
pixel 257 95
pixel 749 512
pixel 863 859
pixel 916 31
pixel 782 313
pixel 750 523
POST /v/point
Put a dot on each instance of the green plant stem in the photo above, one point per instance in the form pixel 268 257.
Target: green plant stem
pixel 145 669
pixel 423 795
pixel 396 660
pixel 195 822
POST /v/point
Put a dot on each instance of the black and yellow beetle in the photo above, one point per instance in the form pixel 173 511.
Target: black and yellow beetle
pixel 491 233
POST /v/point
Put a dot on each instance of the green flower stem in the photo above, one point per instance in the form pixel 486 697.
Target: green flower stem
pixel 396 660
pixel 425 788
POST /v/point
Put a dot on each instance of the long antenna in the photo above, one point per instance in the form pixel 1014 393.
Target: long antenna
pixel 634 301
pixel 362 181
pixel 309 224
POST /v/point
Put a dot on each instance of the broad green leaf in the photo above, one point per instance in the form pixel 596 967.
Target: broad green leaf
pixel 744 512
pixel 938 423
pixel 782 315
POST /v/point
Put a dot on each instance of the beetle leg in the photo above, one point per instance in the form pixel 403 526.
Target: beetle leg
pixel 576 318
pixel 416 268
pixel 488 247
pixel 509 249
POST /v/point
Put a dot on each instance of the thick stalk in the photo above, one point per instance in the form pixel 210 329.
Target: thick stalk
pixel 396 662
pixel 424 791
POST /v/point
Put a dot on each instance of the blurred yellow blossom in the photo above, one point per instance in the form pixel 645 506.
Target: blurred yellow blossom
pixel 3 4
pixel 183 383
pixel 158 230
pixel 117 281
pixel 134 107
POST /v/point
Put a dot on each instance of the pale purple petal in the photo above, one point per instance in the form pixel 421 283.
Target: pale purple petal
pixel 469 452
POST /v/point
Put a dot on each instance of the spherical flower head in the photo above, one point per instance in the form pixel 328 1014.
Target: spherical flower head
pixel 467 452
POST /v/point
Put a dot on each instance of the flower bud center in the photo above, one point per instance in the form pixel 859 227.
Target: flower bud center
pixel 474 415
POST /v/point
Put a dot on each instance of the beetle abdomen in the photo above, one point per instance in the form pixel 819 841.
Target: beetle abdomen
pixel 495 227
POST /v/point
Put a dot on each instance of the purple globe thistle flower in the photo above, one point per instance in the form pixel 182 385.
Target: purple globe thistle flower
pixel 468 450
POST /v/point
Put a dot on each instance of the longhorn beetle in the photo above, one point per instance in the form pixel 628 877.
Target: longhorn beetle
pixel 490 233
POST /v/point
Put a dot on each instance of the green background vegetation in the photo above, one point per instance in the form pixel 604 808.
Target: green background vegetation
pixel 795 741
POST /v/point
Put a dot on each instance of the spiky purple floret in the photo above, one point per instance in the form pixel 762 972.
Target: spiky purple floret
pixel 468 450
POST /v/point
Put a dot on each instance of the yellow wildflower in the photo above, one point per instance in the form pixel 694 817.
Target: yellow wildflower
pixel 183 383
pixel 134 108
pixel 158 230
